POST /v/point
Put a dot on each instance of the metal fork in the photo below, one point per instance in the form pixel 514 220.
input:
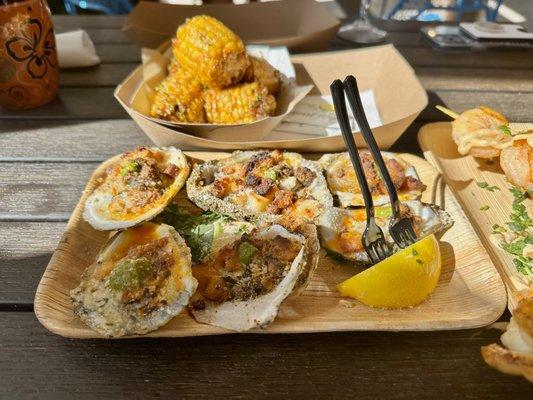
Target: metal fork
pixel 400 226
pixel 373 238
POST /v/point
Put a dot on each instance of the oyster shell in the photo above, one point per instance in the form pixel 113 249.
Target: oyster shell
pixel 139 281
pixel 136 187
pixel 239 294
pixel 342 182
pixel 341 230
pixel 250 184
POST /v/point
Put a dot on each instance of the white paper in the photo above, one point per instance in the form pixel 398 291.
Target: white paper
pixel 75 49
pixel 315 116
pixel 278 56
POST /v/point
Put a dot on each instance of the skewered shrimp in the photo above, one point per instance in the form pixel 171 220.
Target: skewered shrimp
pixel 517 164
pixel 480 132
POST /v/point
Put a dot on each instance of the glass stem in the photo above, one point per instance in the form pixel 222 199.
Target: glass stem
pixel 363 10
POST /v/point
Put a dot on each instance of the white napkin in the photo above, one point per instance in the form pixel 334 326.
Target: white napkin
pixel 75 49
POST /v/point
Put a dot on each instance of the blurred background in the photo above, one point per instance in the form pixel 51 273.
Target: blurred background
pixel 395 10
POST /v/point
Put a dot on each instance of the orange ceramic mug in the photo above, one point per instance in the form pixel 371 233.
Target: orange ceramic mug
pixel 29 73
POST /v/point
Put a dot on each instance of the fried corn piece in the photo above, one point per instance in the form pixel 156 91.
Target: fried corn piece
pixel 243 103
pixel 264 73
pixel 211 52
pixel 179 98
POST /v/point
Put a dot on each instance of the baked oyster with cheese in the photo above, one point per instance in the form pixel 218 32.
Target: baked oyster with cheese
pixel 140 280
pixel 342 181
pixel 341 230
pixel 250 184
pixel 248 270
pixel 136 187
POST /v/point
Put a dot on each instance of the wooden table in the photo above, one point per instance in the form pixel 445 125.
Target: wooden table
pixel 46 156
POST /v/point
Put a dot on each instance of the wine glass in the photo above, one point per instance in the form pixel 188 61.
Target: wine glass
pixel 361 30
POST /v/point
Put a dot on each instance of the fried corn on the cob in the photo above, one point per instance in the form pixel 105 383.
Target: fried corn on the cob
pixel 264 73
pixel 246 102
pixel 210 51
pixel 179 98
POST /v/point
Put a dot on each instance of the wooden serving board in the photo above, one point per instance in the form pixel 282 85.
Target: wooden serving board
pixel 470 292
pixel 462 173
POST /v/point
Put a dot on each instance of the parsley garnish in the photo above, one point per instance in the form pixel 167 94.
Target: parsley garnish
pixel 522 226
pixel 419 261
pixel 498 229
pixel 415 253
pixel 485 185
pixel 505 129
pixel 484 208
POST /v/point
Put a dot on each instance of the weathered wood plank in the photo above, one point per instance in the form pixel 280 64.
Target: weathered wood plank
pixel 82 140
pixel 67 22
pixel 519 80
pixel 478 79
pixel 516 106
pixel 99 75
pixel 24 254
pixel 74 103
pixel 118 53
pixel 362 365
pixel 41 190
pixel 98 103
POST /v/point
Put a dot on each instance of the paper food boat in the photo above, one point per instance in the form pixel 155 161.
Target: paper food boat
pixel 399 98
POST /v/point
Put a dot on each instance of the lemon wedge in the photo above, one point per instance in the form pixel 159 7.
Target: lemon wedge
pixel 405 279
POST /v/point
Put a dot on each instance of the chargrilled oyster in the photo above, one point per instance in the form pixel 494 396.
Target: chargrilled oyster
pixel 140 280
pixel 136 187
pixel 341 230
pixel 342 182
pixel 246 277
pixel 250 184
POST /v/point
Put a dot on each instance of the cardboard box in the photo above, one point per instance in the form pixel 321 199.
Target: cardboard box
pixel 398 94
pixel 301 25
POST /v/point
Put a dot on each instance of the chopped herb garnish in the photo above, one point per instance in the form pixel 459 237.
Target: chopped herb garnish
pixel 484 208
pixel 415 253
pixel 505 129
pixel 271 174
pixel 485 185
pixel 419 261
pixel 246 253
pixel 130 166
pixel 521 225
pixel 498 229
pixel 197 230
pixel 130 274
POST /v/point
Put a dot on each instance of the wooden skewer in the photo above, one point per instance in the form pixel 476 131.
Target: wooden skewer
pixel 447 111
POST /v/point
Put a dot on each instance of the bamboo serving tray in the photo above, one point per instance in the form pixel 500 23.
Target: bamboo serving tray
pixel 470 292
pixel 462 173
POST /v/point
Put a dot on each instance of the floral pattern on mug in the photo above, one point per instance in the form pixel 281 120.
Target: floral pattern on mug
pixel 32 46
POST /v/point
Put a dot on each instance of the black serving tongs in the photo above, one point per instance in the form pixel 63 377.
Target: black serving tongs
pixel 401 227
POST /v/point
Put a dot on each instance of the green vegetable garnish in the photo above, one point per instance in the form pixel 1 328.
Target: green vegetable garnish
pixel 131 166
pixel 197 230
pixel 505 129
pixel 498 229
pixel 415 253
pixel 130 274
pixel 485 185
pixel 246 252
pixel 484 208
pixel 383 212
pixel 271 174
pixel 522 226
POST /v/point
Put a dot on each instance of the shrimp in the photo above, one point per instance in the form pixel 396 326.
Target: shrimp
pixel 516 162
pixel 480 132
pixel 516 358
